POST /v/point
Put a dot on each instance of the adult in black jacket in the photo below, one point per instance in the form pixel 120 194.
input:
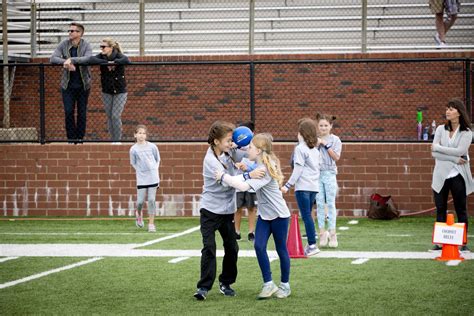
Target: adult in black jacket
pixel 114 85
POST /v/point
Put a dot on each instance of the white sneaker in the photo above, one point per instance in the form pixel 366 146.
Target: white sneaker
pixel 311 250
pixel 283 291
pixel 437 39
pixel 151 228
pixel 333 240
pixel 267 290
pixel 323 238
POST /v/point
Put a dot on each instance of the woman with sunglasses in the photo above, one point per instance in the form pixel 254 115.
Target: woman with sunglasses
pixel 114 86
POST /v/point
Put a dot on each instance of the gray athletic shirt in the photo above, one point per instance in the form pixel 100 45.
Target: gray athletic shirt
pixel 271 203
pixel 305 176
pixel 327 163
pixel 218 198
pixel 145 159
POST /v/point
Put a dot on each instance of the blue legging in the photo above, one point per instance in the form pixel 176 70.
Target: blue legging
pixel 305 200
pixel 279 228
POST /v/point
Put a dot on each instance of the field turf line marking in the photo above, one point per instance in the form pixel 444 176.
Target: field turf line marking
pixel 360 261
pixel 188 231
pixel 79 233
pixel 42 274
pixel 7 259
pixel 179 259
pixel 453 263
pixel 353 222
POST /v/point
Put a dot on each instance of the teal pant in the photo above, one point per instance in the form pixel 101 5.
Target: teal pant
pixel 327 195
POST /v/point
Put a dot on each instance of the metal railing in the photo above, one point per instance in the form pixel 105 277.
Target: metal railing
pixel 373 100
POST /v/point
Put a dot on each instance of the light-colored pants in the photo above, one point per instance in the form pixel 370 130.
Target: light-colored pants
pixel 114 105
pixel 151 195
pixel 327 195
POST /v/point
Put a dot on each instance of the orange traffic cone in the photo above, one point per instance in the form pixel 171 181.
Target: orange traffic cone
pixel 294 242
pixel 450 252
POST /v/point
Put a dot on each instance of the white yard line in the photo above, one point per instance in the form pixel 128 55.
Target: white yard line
pixel 400 235
pixel 360 261
pixel 353 222
pixel 7 259
pixel 151 242
pixel 127 250
pixel 179 259
pixel 42 274
pixel 343 228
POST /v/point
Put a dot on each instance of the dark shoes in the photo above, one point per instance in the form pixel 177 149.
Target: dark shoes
pixel 226 289
pixel 200 294
pixel 238 236
pixel 465 249
pixel 251 236
pixel 436 247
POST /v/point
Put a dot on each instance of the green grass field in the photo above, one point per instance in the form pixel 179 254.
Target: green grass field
pixel 153 285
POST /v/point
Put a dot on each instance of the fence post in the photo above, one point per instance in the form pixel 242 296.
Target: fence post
pixel 33 30
pixel 364 26
pixel 468 88
pixel 252 27
pixel 42 105
pixel 252 92
pixel 6 80
pixel 142 27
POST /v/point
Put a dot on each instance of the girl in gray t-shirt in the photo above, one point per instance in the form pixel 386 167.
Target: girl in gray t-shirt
pixel 273 213
pixel 330 148
pixel 145 159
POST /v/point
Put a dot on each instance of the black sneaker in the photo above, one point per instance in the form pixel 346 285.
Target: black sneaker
pixel 251 236
pixel 200 294
pixel 436 248
pixel 238 236
pixel 465 249
pixel 226 289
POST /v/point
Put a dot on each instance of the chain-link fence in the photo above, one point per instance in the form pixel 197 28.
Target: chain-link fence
pixel 373 100
pixel 152 27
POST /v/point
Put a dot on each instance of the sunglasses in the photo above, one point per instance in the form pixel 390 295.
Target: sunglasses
pixel 72 31
pixel 103 46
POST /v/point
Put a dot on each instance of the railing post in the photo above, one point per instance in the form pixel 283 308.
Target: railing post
pixel 252 27
pixel 42 105
pixel 142 27
pixel 33 30
pixel 364 26
pixel 252 92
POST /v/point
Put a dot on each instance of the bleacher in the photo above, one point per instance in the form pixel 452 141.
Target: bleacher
pixel 209 27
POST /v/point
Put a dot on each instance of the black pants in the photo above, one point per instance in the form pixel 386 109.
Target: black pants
pixel 210 222
pixel 72 98
pixel 458 190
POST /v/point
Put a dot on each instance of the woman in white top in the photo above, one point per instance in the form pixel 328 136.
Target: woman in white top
pixel 452 171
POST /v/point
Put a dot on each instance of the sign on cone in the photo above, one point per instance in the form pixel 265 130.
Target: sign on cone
pixel 294 242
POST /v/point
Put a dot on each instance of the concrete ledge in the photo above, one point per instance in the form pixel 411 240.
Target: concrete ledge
pixel 19 134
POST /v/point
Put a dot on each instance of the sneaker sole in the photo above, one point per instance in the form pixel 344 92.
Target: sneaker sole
pixel 267 297
pixel 199 297
pixel 229 295
pixel 313 253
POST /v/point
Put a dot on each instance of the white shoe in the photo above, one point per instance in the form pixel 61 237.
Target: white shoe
pixel 151 228
pixel 283 291
pixel 333 239
pixel 267 290
pixel 311 250
pixel 323 238
pixel 437 39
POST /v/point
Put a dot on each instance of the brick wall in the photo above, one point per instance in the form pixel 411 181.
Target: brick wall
pixel 97 180
pixel 373 101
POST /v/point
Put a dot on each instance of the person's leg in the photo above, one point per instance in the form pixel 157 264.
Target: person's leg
pixel 279 228
pixel 209 223
pixel 439 22
pixel 69 102
pixel 240 201
pixel 305 200
pixel 237 220
pixel 458 191
pixel 449 23
pixel 441 201
pixel 82 99
pixel 262 233
pixel 231 250
pixel 141 193
pixel 119 101
pixel 107 99
pixel 320 203
pixel 252 218
pixel 151 195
